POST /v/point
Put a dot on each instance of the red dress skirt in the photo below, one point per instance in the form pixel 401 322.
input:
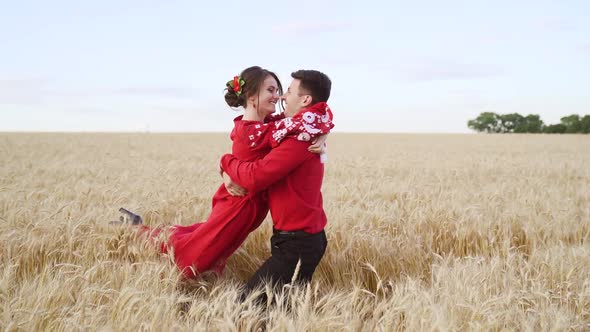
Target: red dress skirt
pixel 206 246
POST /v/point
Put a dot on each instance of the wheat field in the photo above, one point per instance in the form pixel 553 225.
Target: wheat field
pixel 426 232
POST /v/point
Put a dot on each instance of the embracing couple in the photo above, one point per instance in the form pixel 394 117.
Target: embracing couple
pixel 276 164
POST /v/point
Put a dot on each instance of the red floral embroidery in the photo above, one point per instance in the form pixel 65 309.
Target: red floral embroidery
pixel 306 125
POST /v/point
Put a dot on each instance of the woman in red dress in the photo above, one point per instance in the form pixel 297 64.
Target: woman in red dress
pixel 206 246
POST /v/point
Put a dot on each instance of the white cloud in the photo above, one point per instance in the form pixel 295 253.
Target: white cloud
pixel 161 91
pixel 22 91
pixel 447 70
pixel 30 92
pixel 555 24
pixel 305 27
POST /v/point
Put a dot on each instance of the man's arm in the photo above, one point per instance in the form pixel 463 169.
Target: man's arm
pixel 258 175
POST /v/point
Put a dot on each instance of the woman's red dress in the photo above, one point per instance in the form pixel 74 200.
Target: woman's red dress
pixel 206 246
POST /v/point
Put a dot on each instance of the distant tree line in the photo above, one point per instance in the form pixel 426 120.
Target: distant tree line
pixel 490 122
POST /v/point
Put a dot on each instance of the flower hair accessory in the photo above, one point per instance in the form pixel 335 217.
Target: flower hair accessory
pixel 236 85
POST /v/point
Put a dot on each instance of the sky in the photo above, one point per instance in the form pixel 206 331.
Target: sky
pixel 396 66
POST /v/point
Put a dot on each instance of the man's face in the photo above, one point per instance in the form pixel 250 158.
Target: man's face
pixel 295 98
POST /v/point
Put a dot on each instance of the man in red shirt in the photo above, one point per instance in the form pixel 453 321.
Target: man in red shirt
pixel 293 177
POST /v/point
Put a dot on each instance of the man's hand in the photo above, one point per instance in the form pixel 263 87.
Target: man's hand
pixel 233 188
pixel 317 145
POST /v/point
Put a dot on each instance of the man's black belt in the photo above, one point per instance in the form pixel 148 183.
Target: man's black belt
pixel 291 233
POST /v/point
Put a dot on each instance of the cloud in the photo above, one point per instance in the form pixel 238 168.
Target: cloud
pixel 555 24
pixel 306 27
pixel 172 92
pixel 129 91
pixel 436 71
pixel 93 110
pixel 27 92
pixel 23 91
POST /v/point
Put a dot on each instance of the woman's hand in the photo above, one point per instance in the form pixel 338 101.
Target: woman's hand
pixel 233 188
pixel 317 145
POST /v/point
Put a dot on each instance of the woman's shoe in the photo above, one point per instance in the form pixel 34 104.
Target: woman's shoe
pixel 128 217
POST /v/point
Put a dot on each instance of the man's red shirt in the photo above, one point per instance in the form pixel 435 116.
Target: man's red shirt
pixel 293 177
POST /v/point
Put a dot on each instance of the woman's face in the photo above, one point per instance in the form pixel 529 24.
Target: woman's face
pixel 267 97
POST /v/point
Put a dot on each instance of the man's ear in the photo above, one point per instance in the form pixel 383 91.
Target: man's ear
pixel 306 100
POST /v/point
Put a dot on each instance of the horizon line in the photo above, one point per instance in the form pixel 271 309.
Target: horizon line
pixel 209 132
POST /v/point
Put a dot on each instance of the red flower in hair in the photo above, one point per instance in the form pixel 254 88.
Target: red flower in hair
pixel 236 85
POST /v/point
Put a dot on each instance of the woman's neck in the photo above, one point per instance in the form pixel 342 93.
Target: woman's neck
pixel 250 114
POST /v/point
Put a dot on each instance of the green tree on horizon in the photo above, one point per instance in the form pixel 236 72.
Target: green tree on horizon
pixel 532 124
pixel 487 122
pixel 572 123
pixel 490 122
pixel 585 124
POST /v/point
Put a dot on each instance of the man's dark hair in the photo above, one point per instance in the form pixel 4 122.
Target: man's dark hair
pixel 315 83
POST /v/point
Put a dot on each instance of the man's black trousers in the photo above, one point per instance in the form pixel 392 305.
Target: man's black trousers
pixel 287 248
